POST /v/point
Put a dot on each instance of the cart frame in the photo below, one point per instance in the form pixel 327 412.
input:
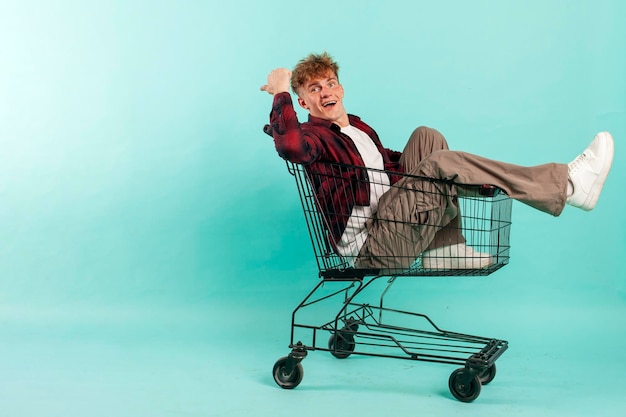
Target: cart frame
pixel 364 328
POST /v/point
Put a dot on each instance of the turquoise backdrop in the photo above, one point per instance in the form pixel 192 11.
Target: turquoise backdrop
pixel 152 244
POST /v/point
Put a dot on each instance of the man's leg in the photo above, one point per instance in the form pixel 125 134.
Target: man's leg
pixel 423 142
pixel 408 217
pixel 543 187
pixel 411 213
pixel 417 215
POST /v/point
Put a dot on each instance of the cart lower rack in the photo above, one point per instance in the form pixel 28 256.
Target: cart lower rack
pixel 337 317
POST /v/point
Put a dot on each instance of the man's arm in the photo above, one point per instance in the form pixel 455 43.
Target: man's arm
pixel 277 81
pixel 291 142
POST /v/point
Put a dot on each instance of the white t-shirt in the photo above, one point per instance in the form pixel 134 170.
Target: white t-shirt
pixel 355 234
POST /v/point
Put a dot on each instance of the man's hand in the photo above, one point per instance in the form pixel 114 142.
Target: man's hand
pixel 277 81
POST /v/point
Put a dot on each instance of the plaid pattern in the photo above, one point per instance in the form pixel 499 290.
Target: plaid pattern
pixel 317 142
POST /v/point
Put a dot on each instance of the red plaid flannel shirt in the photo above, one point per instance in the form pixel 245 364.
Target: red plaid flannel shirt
pixel 317 143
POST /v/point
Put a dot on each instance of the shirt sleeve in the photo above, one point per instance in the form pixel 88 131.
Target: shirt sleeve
pixel 394 156
pixel 292 142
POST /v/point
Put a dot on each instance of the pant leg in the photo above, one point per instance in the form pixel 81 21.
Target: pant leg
pixel 543 187
pixel 423 142
pixel 409 216
pixel 399 233
pixel 414 215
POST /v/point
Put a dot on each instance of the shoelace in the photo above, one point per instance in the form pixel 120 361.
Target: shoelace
pixel 578 162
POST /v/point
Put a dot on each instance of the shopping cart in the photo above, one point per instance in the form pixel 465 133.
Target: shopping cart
pixel 338 315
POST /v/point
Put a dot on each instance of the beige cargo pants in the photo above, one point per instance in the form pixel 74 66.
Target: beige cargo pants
pixel 416 215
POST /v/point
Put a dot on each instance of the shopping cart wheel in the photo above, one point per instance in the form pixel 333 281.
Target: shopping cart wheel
pixel 341 344
pixel 487 375
pixel 464 385
pixel 283 378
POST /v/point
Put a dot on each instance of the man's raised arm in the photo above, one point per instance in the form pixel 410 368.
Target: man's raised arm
pixel 277 81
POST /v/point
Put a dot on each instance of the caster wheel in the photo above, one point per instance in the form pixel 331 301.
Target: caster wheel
pixel 487 375
pixel 341 344
pixel 284 379
pixel 464 385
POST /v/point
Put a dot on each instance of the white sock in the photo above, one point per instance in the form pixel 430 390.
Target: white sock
pixel 570 188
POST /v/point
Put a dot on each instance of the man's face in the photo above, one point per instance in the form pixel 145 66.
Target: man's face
pixel 322 97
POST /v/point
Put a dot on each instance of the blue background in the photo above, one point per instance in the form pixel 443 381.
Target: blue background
pixel 152 246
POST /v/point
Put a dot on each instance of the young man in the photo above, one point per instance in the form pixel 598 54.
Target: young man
pixel 331 135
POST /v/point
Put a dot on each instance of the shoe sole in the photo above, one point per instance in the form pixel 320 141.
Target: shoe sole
pixel 596 188
pixel 454 264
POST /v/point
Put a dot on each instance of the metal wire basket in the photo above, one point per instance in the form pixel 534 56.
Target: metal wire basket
pixel 353 326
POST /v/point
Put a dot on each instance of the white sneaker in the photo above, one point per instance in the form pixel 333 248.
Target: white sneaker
pixel 589 171
pixel 457 256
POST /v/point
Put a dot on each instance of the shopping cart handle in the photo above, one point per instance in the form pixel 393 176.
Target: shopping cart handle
pixel 487 190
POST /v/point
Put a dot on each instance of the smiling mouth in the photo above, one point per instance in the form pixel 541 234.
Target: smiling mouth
pixel 329 104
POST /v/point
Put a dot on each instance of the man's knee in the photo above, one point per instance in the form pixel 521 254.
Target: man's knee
pixel 421 131
pixel 432 137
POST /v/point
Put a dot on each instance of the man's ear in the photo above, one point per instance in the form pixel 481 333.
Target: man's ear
pixel 302 103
